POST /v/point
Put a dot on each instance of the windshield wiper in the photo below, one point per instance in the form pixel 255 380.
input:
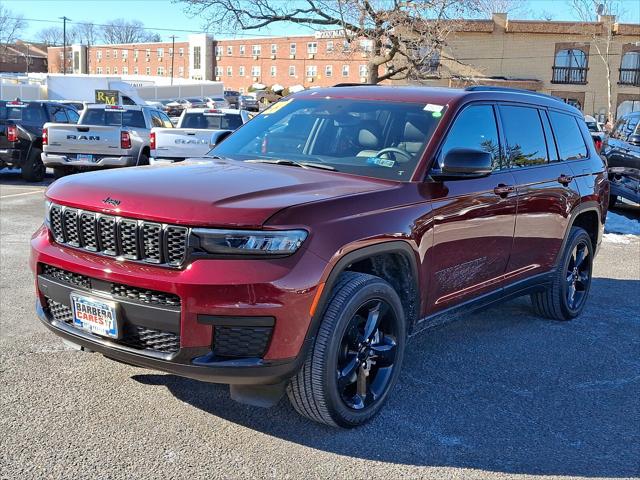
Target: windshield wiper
pixel 293 163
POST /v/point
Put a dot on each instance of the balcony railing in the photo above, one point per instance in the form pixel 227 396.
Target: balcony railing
pixel 571 75
pixel 630 76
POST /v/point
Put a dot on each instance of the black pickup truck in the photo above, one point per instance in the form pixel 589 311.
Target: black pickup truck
pixel 21 133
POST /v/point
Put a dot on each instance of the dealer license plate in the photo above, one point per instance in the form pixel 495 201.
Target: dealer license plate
pixel 85 157
pixel 95 315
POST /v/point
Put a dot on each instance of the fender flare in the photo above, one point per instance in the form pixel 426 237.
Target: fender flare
pixel 589 206
pixel 393 246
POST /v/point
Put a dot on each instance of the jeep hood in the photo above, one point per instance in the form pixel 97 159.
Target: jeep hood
pixel 206 193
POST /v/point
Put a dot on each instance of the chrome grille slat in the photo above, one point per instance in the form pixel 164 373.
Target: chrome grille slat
pixel 137 240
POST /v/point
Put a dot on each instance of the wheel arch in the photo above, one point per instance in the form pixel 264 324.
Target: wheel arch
pixel 587 215
pixel 385 260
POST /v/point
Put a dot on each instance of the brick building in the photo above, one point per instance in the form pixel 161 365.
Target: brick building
pixel 23 57
pixel 558 58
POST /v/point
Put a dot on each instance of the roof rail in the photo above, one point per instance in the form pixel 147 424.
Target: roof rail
pixel 347 84
pixel 491 88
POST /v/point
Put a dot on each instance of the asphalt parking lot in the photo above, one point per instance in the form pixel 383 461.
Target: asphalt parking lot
pixel 499 394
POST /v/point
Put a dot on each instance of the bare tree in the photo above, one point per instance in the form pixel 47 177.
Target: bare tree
pixel 123 31
pixel 602 39
pixel 51 36
pixel 405 36
pixel 11 26
pixel 87 32
pixel 486 8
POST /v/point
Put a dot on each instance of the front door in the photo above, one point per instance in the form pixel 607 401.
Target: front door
pixel 473 219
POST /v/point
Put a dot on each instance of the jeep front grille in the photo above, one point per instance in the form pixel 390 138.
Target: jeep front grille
pixel 131 239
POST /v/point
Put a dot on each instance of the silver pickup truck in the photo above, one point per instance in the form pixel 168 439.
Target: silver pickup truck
pixel 196 132
pixel 105 136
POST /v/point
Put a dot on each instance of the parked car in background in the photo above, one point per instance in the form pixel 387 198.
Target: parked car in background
pixel 195 102
pixel 194 132
pixel 105 136
pixel 322 236
pixel 216 102
pixel 247 102
pixel 266 97
pixel 232 97
pixel 596 130
pixel 21 133
pixel 175 107
pixel 622 151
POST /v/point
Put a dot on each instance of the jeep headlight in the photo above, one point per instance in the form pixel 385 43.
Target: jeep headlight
pixel 47 210
pixel 249 242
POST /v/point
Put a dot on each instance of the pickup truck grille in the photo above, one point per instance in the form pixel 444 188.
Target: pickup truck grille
pixel 131 239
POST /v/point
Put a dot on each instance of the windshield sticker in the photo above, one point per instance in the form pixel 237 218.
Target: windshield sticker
pixel 277 106
pixel 436 114
pixel 381 162
pixel 432 107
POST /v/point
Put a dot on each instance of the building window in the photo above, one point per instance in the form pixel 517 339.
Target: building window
pixel 229 71
pixel 366 45
pixel 160 52
pixel 99 70
pixel 242 50
pixel 229 50
pixel 292 70
pixel 255 71
pixel 570 66
pixel 273 70
pixel 328 71
pixel 147 71
pixel 196 58
pixel 274 49
pixel 99 54
pixel 107 54
pixel 181 71
pixel 330 46
pixel 312 71
pixel 630 69
pixel 292 49
pixel 125 55
pixel 170 52
pixel 312 47
pixel 218 71
pixel 115 70
pixel 181 52
pixel 255 50
pixel 160 71
pixel 346 46
pixel 362 70
pixel 135 55
pixel 135 70
pixel 219 51
pixel 115 53
pixel 125 70
pixel 241 71
pixel 147 52
pixel 345 70
pixel 108 70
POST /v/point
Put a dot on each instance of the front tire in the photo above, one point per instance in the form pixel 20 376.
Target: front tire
pixel 566 297
pixel 357 354
pixel 33 169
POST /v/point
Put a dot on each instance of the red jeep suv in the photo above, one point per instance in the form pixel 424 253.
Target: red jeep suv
pixel 301 254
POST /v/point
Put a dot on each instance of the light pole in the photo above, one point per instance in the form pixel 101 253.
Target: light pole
pixel 64 44
pixel 28 57
pixel 173 52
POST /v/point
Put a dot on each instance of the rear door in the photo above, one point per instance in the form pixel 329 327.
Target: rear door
pixel 547 191
pixel 474 219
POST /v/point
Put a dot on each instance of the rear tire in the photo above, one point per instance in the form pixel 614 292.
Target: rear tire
pixel 357 354
pixel 612 200
pixel 143 159
pixel 33 169
pixel 566 297
pixel 59 172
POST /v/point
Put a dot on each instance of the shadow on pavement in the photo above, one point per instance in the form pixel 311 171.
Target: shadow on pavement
pixel 499 391
pixel 13 178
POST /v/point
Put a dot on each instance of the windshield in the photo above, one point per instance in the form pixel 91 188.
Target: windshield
pixel 128 118
pixel 211 122
pixel 369 138
pixel 246 97
pixel 593 127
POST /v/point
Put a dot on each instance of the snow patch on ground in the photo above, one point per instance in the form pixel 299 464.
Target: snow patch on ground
pixel 622 224
pixel 617 238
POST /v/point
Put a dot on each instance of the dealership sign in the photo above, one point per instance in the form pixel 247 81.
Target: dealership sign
pixel 109 97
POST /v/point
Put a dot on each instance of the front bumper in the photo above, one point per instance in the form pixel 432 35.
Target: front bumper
pixel 70 160
pixel 211 293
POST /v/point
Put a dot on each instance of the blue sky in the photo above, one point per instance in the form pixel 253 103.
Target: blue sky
pixel 163 14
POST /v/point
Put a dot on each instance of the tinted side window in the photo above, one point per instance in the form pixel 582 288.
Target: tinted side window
pixel 166 122
pixel 475 128
pixel 58 115
pixel 34 113
pixel 156 121
pixel 571 145
pixel 524 136
pixel 73 116
pixel 133 118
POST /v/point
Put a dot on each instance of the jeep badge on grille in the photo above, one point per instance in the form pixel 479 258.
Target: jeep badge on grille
pixel 111 201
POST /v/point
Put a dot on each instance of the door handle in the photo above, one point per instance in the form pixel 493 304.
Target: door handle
pixel 565 179
pixel 504 190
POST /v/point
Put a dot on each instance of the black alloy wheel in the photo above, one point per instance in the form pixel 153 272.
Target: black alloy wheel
pixel 578 276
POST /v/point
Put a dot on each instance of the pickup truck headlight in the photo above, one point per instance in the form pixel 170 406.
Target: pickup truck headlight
pixel 249 242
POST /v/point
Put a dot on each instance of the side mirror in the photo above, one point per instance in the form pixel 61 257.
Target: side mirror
pixel 218 137
pixel 634 139
pixel 462 163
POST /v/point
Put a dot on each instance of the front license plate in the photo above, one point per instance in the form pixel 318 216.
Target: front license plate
pixel 95 315
pixel 85 157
